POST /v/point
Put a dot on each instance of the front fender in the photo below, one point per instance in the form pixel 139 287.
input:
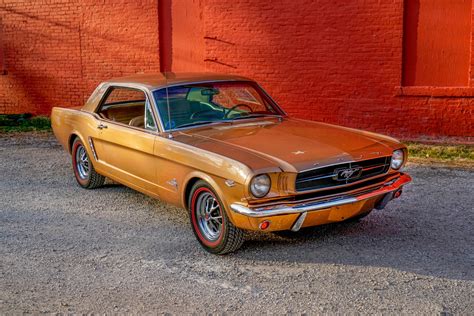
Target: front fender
pixel 227 194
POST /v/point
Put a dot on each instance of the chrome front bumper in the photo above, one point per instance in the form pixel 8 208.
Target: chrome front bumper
pixel 389 187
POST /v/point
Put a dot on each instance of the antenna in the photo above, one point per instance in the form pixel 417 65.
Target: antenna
pixel 170 135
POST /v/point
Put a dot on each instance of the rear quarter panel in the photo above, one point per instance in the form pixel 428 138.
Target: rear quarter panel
pixel 67 122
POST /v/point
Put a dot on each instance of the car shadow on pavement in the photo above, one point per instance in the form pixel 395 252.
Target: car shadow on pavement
pixel 427 231
pixel 406 236
pixel 383 239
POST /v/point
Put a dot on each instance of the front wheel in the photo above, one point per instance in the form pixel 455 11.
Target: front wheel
pixel 210 223
pixel 84 171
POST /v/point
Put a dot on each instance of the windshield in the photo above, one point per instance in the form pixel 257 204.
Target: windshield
pixel 200 104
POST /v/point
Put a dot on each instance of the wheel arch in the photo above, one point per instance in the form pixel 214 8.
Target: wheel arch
pixel 71 140
pixel 187 190
pixel 195 176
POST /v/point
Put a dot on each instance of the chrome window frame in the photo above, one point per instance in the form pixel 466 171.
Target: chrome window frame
pixel 148 98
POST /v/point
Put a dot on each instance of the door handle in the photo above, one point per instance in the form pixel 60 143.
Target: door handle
pixel 101 126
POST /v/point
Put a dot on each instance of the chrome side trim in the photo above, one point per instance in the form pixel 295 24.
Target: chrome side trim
pixel 230 183
pixel 283 209
pixel 91 143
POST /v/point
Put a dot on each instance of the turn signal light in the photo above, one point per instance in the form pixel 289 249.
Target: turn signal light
pixel 397 194
pixel 264 225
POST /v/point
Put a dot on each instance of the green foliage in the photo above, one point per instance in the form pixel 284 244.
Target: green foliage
pixel 24 123
pixel 443 152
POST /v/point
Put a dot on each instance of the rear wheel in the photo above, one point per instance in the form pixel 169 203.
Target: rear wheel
pixel 210 223
pixel 84 171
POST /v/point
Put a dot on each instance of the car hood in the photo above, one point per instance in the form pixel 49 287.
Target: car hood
pixel 290 144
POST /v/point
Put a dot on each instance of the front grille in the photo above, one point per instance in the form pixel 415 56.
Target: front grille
pixel 327 177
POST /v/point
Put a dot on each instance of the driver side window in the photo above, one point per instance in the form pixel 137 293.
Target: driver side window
pixel 128 106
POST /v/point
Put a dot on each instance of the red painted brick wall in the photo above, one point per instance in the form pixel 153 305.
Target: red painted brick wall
pixel 333 61
pixel 436 42
pixel 2 49
pixel 58 51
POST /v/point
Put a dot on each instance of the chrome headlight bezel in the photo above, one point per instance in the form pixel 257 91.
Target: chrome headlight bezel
pixel 260 185
pixel 398 159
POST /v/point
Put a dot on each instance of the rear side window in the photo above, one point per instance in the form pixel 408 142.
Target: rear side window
pixel 128 106
pixel 124 95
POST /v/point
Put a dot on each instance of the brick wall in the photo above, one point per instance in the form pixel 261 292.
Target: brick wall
pixel 56 52
pixel 2 49
pixel 332 61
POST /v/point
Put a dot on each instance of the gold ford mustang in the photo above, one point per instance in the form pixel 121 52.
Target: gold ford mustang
pixel 219 146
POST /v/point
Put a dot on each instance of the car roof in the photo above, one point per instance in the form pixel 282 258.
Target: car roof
pixel 160 80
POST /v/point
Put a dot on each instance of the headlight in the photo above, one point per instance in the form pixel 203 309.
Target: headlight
pixel 397 159
pixel 260 185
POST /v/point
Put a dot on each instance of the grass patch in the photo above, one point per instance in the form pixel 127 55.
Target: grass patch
pixel 450 153
pixel 24 123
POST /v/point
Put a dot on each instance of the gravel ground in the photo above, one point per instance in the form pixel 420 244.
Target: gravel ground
pixel 66 249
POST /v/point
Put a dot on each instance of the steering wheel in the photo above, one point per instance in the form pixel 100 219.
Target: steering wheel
pixel 226 115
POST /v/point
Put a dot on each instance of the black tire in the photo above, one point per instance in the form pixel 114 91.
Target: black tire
pixel 84 171
pixel 225 238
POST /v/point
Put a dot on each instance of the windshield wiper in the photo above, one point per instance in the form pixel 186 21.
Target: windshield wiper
pixel 248 116
pixel 195 123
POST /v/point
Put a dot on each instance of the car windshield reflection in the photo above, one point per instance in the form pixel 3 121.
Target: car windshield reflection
pixel 207 103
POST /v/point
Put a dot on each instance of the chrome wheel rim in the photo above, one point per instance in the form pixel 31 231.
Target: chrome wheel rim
pixel 82 162
pixel 209 217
